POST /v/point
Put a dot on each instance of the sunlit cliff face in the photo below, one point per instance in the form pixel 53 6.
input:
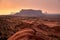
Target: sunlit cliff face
pixel 8 6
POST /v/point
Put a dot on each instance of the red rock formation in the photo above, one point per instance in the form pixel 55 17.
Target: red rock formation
pixel 25 34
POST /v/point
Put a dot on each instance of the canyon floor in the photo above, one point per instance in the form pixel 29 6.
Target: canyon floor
pixel 28 28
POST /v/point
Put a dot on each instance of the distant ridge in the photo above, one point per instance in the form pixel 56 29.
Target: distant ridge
pixel 30 13
pixel 38 14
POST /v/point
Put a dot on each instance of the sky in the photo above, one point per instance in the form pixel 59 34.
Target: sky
pixel 12 6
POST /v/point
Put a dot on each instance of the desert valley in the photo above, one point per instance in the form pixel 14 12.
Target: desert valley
pixel 29 25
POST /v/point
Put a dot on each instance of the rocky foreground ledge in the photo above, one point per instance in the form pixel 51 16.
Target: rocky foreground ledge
pixel 12 28
pixel 36 33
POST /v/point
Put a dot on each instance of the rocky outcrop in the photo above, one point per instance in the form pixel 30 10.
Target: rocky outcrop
pixel 11 29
